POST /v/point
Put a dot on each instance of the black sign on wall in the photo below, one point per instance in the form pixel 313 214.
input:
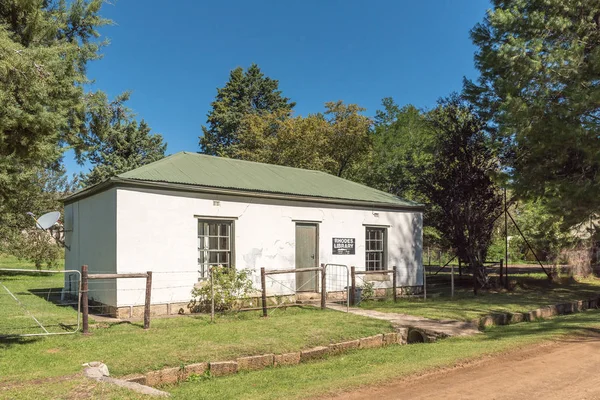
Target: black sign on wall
pixel 344 246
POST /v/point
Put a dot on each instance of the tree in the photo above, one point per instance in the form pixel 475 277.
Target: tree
pixel 463 200
pixel 540 87
pixel 44 49
pixel 247 92
pixel 37 192
pixel 542 229
pixel 349 139
pixel 116 143
pixel 333 142
pixel 275 138
pixel 401 144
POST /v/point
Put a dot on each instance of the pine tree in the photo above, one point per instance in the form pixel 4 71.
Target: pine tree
pixel 246 92
pixel 116 143
pixel 44 49
pixel 540 87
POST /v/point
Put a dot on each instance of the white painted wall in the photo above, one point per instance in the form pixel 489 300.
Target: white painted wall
pixel 157 231
pixel 90 226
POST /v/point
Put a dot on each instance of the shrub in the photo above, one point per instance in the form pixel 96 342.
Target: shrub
pixel 229 287
pixel 36 246
pixel 368 291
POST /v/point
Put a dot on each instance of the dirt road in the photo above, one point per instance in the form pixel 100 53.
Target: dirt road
pixel 569 369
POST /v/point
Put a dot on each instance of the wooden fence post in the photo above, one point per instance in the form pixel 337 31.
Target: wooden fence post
pixel 424 284
pixel 352 285
pixel 506 275
pixel 84 298
pixel 459 268
pixel 148 300
pixel 323 286
pixel 263 283
pixel 501 271
pixel 452 281
pixel 395 283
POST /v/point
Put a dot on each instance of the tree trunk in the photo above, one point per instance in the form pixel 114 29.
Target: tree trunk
pixel 479 278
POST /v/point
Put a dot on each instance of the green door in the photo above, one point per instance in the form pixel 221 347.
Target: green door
pixel 307 256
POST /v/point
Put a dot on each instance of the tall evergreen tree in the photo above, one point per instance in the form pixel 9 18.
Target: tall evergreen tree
pixel 463 200
pixel 246 92
pixel 44 49
pixel 116 143
pixel 540 86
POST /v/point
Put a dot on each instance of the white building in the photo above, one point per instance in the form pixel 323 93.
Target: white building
pixel 179 215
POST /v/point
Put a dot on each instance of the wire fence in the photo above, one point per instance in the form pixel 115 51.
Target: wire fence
pixel 33 303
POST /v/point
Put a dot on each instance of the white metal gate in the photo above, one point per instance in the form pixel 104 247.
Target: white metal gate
pixel 34 302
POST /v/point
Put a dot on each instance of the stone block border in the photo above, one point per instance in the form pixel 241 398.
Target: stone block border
pixel 539 313
pixel 400 337
pixel 252 363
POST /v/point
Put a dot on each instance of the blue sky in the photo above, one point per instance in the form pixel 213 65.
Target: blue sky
pixel 173 55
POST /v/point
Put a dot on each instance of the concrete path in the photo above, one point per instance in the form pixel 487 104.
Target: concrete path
pixel 428 326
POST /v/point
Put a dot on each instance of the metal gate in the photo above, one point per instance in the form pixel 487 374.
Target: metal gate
pixel 337 285
pixel 35 303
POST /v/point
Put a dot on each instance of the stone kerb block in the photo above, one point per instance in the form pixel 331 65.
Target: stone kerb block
pixel 314 353
pixel 342 347
pixel 286 359
pixel 371 342
pixel 221 368
pixel 390 338
pixel 254 363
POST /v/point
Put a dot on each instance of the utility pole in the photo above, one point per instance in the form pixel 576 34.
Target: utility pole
pixel 505 239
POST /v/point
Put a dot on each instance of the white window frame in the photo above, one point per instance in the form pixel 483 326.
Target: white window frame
pixel 376 246
pixel 204 245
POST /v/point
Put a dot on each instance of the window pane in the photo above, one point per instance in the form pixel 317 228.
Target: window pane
pixel 213 243
pixel 212 229
pixel 223 243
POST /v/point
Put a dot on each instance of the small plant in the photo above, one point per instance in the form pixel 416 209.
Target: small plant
pixel 229 287
pixel 368 291
pixel 195 378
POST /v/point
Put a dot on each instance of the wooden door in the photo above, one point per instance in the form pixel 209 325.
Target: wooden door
pixel 307 256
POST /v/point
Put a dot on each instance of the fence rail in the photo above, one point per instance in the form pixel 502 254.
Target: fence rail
pixel 354 272
pixel 263 282
pixel 84 293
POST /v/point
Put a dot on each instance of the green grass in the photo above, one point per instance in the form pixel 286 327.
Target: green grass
pixel 531 291
pixel 73 388
pixel 377 366
pixel 127 348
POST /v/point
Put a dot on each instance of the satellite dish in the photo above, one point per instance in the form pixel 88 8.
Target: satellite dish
pixel 47 220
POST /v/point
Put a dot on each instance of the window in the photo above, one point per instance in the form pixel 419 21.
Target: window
pixel 376 249
pixel 214 245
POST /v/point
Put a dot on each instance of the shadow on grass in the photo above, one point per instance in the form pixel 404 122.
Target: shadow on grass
pixel 8 342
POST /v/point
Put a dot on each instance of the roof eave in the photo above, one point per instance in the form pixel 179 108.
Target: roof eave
pixel 133 183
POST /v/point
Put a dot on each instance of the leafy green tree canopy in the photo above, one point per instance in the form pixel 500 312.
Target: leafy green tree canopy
pixel 401 144
pixel 540 86
pixel 246 92
pixel 334 142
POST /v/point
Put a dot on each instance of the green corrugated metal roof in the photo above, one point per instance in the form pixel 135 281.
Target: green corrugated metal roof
pixel 217 172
